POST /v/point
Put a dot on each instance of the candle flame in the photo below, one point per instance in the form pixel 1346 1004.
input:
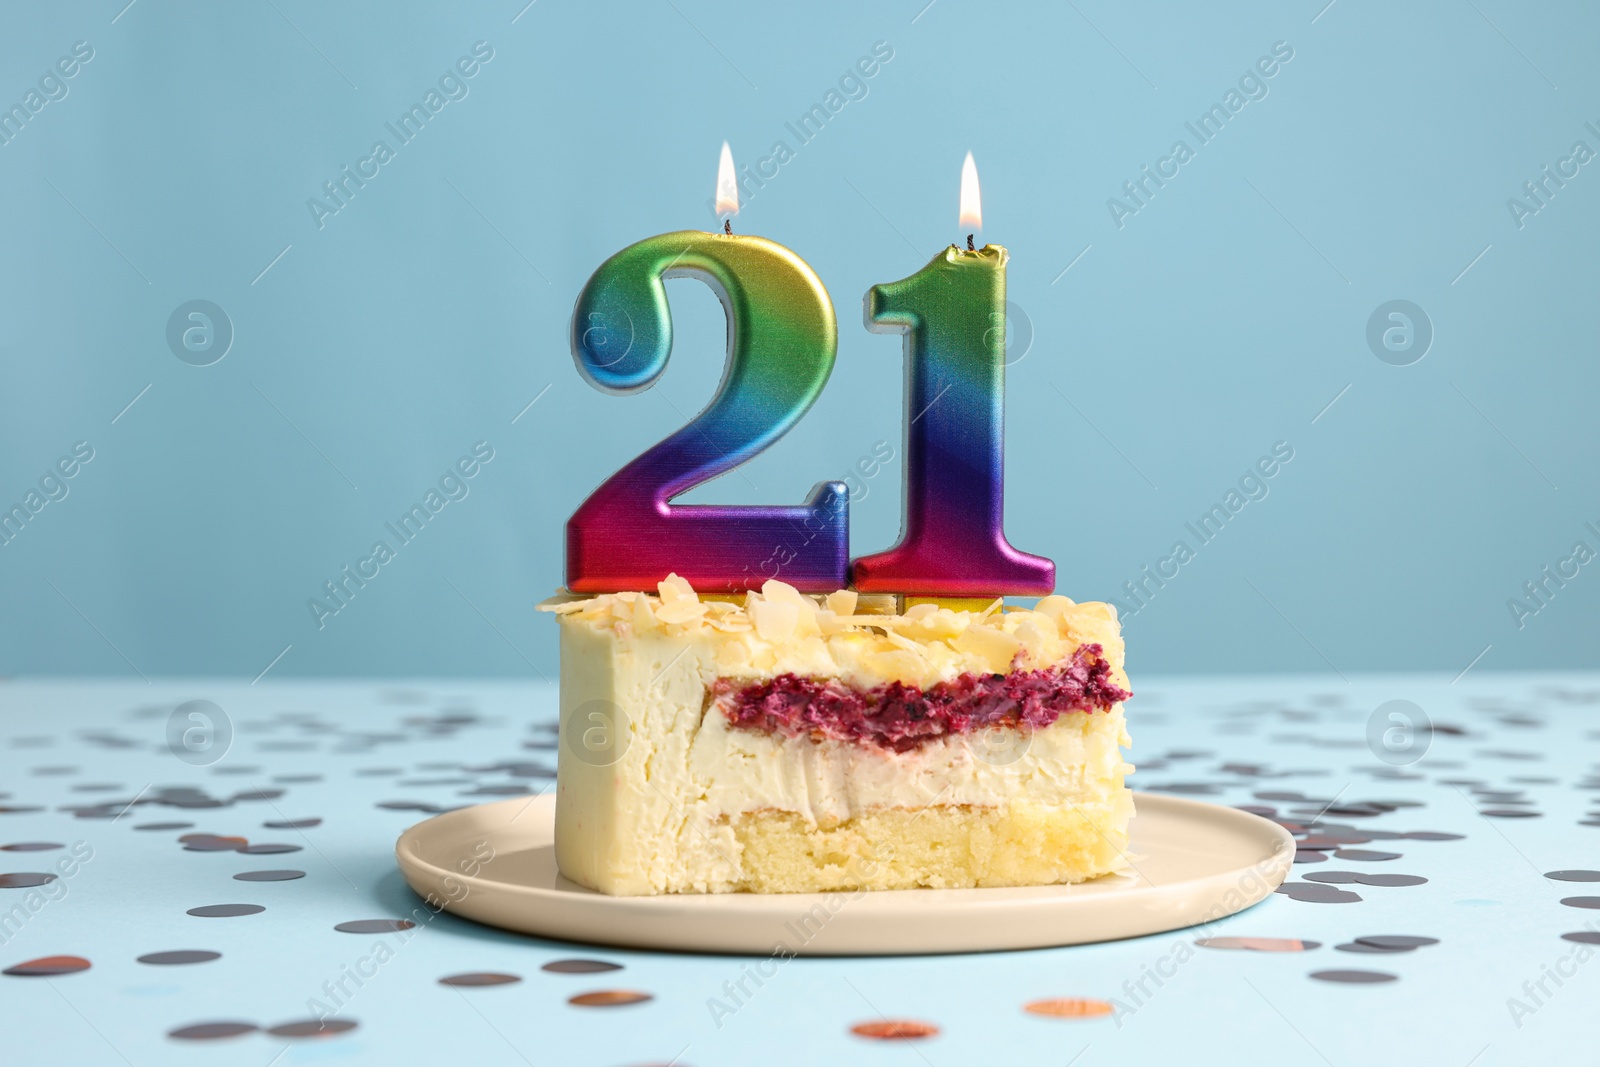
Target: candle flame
pixel 971 203
pixel 727 185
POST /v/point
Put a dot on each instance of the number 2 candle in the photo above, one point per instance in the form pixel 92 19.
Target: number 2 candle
pixel 953 542
pixel 782 338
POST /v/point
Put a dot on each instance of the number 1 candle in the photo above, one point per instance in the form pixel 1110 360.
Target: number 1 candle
pixel 782 338
pixel 953 542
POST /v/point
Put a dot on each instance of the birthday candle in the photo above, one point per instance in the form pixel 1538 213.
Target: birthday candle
pixel 782 338
pixel 953 542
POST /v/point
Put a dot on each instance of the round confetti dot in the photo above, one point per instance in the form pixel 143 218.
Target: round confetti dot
pixel 895 1030
pixel 1510 813
pixel 18 809
pixel 97 812
pixel 1568 876
pixel 268 849
pixel 374 926
pixel 478 978
pixel 580 966
pixel 1327 841
pixel 313 1028
pixel 292 824
pixel 496 791
pixel 1259 944
pixel 1432 835
pixel 1583 937
pixel 1312 893
pixel 212 843
pixel 1364 855
pixel 211 1031
pixel 164 826
pixel 47 966
pixel 1334 877
pixel 1354 977
pixel 1581 902
pixel 1393 880
pixel 24 879
pixel 1069 1008
pixel 1309 856
pixel 268 876
pixel 31 846
pixel 179 956
pixel 1396 941
pixel 1356 946
pixel 226 911
pixel 609 998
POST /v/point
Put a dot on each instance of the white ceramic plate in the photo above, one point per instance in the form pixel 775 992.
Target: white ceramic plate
pixel 1194 863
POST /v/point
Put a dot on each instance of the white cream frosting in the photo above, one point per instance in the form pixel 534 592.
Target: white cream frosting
pixel 781 631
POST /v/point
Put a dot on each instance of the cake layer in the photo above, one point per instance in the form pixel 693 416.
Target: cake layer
pixel 660 791
pixel 945 846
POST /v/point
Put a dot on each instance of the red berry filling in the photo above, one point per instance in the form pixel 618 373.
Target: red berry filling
pixel 902 717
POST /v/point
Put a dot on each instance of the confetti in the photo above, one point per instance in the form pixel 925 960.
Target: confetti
pixel 179 957
pixel 1581 902
pixel 211 1031
pixel 580 966
pixel 24 879
pixel 1353 977
pixel 1260 944
pixel 374 926
pixel 895 1030
pixel 226 911
pixel 1312 893
pixel 1397 941
pixel 269 876
pixel 1068 1008
pixel 479 978
pixel 609 998
pixel 313 1028
pixel 47 966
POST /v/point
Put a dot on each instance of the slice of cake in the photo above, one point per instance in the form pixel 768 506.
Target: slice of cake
pixel 789 744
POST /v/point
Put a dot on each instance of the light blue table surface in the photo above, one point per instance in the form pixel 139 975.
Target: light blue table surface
pixel 1473 998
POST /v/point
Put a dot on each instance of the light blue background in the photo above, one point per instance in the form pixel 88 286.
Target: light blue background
pixel 425 316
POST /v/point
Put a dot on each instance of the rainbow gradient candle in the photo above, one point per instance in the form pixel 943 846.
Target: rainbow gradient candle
pixel 782 337
pixel 953 315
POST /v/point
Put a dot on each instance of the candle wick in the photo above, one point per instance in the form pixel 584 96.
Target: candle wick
pixel 970 246
pixel 727 227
